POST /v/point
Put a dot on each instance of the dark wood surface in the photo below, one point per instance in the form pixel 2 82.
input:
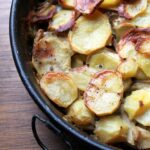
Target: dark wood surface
pixel 16 106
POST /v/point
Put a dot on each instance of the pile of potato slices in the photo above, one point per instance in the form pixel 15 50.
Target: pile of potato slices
pixel 92 58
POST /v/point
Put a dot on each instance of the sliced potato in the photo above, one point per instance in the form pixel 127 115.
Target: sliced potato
pixel 79 114
pixel 78 60
pixel 144 139
pixel 137 103
pixel 82 76
pixel 111 129
pixel 86 6
pixel 110 3
pixel 143 46
pixel 144 64
pixel 128 68
pixel 132 9
pixel 60 88
pixel 144 119
pixel 44 12
pixel 128 45
pixel 104 93
pixel 104 59
pixel 67 3
pixel 90 33
pixel 142 20
pixel 51 53
pixel 62 21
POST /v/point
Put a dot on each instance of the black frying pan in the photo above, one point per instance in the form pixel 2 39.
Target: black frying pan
pixel 21 50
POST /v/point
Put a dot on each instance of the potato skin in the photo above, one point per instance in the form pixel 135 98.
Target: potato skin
pixel 111 129
pixel 79 114
pixel 60 88
pixel 70 4
pixel 103 95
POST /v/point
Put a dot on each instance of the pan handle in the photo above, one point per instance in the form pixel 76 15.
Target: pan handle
pixel 49 125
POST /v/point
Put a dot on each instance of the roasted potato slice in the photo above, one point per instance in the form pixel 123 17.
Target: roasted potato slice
pixel 132 9
pixel 59 88
pixel 90 33
pixel 79 114
pixel 128 68
pixel 67 3
pixel 86 6
pixel 44 12
pixel 78 60
pixel 51 53
pixel 143 46
pixel 106 4
pixel 62 21
pixel 128 44
pixel 104 59
pixel 82 76
pixel 104 93
pixel 144 119
pixel 142 20
pixel 111 129
pixel 144 64
pixel 137 103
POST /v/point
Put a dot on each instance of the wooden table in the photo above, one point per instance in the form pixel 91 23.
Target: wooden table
pixel 16 106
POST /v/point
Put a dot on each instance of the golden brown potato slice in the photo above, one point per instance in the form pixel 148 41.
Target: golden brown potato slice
pixel 137 103
pixel 90 33
pixel 104 59
pixel 44 12
pixel 104 93
pixel 78 60
pixel 106 4
pixel 128 44
pixel 82 76
pixel 144 119
pixel 79 114
pixel 60 88
pixel 128 68
pixel 111 129
pixel 144 64
pixel 86 6
pixel 143 46
pixel 51 53
pixel 62 21
pixel 132 9
pixel 67 3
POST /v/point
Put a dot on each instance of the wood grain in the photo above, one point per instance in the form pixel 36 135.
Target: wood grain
pixel 16 106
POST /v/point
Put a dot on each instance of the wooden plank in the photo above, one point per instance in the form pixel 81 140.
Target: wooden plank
pixel 16 106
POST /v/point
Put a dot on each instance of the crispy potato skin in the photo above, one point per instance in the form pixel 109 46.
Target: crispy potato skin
pixel 130 10
pixel 87 6
pixel 56 85
pixel 101 96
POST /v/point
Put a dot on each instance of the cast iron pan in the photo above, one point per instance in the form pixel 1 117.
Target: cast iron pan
pixel 21 50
